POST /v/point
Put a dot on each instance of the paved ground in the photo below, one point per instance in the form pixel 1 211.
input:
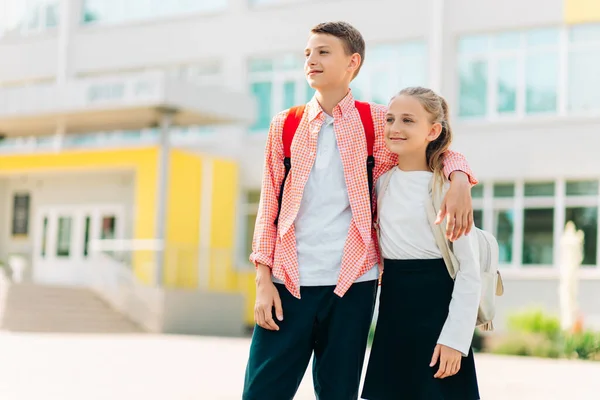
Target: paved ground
pixel 70 367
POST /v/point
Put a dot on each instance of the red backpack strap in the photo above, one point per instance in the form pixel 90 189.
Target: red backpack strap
pixel 364 110
pixel 292 121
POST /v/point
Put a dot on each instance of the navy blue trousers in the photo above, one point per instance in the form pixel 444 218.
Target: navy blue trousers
pixel 335 329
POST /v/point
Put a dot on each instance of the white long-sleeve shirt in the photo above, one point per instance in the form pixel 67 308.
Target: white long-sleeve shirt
pixel 407 234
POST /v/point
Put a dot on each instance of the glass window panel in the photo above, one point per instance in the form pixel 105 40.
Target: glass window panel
pixel 506 86
pixel 584 33
pixel 538 236
pixel 412 68
pixel 33 17
pixel 261 65
pixel 360 85
pixel 473 88
pixel 96 10
pixel 582 188
pixel 290 62
pixel 63 242
pixel 542 82
pixel 583 70
pixel 477 191
pixel 504 190
pixel 478 218
pixel 539 189
pixel 473 44
pixel 503 230
pixel 51 15
pixel 542 37
pixel 383 86
pixel 412 50
pixel 507 41
pixel 109 227
pixel 262 92
pixel 382 53
pixel 113 11
pixel 289 95
pixel 86 238
pixel 586 219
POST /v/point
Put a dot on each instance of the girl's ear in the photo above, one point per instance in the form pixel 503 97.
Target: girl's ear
pixel 434 132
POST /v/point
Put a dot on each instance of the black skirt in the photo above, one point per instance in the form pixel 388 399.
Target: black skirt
pixel 413 306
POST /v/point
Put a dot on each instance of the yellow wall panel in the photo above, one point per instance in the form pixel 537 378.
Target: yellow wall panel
pixel 223 223
pixel 581 11
pixel 142 161
pixel 183 220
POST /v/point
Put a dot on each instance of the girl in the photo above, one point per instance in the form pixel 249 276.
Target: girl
pixel 422 344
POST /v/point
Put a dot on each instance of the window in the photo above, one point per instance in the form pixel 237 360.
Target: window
pixel 504 190
pixel 541 71
pixel 503 230
pixel 525 219
pixel 584 64
pixel 539 189
pixel 582 188
pixel 586 219
pixel 503 226
pixel 389 69
pixel 508 74
pixel 538 238
pixel 23 17
pixel 118 11
pixel 63 242
pixel 277 83
pixel 582 209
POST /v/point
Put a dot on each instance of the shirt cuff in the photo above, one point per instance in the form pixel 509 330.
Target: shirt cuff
pixel 472 179
pixel 258 258
pixel 447 343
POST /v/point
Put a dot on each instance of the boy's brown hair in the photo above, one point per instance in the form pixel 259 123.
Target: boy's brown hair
pixel 349 35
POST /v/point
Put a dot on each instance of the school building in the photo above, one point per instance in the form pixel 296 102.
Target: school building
pixel 90 90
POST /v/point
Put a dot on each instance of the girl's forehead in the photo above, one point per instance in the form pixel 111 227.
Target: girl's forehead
pixel 406 104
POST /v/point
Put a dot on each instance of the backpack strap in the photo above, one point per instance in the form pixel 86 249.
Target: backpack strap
pixel 364 110
pixel 432 206
pixel 292 121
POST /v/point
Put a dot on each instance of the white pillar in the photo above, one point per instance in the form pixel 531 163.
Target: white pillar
pixel 162 194
pixel 69 12
pixel 436 45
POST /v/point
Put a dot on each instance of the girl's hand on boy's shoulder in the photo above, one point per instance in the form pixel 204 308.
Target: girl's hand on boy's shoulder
pixel 449 359
pixel 457 206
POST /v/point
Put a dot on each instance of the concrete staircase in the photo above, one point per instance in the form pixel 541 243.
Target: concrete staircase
pixel 42 308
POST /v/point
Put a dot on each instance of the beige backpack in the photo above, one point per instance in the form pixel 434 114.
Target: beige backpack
pixel 491 280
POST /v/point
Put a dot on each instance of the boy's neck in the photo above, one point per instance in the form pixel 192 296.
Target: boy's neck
pixel 328 99
pixel 413 163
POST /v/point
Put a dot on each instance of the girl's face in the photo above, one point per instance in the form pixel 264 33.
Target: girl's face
pixel 408 127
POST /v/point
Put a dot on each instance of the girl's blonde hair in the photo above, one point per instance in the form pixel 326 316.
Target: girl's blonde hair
pixel 437 107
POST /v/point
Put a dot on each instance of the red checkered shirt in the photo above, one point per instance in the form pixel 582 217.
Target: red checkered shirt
pixel 275 246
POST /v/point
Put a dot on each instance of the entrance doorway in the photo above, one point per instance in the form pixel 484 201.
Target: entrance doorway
pixel 62 253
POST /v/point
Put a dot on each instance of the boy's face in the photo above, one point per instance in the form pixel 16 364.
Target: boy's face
pixel 327 63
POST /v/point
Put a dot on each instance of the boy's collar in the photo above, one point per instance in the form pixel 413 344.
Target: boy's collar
pixel 344 106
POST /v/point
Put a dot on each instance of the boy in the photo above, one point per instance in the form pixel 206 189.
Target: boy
pixel 317 257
